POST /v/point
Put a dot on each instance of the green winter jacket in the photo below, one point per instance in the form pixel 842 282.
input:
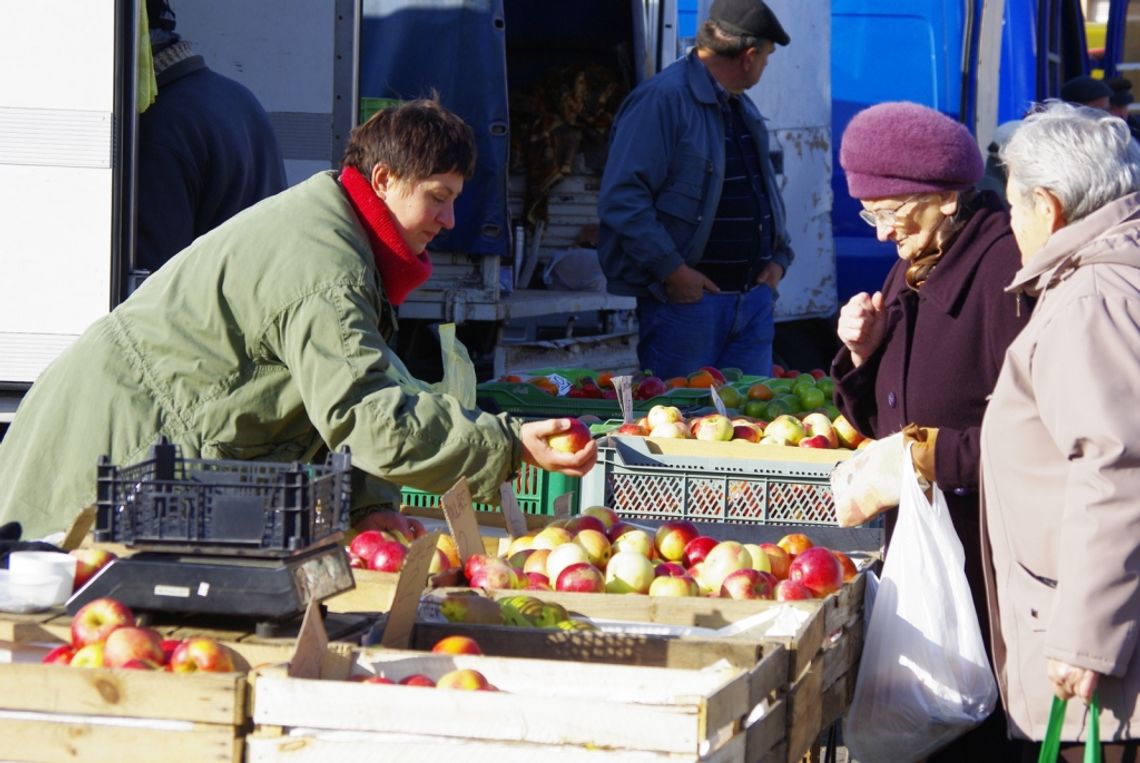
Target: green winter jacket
pixel 263 340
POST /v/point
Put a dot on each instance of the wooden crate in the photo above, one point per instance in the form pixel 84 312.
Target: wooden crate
pixel 54 713
pixel 560 710
pixel 799 683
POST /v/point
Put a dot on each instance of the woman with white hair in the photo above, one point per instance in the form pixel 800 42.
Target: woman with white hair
pixel 1061 436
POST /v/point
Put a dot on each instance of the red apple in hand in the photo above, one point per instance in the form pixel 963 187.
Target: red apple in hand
pixel 199 653
pixel 89 561
pixel 572 440
pixel 96 620
pixel 130 643
pixel 818 569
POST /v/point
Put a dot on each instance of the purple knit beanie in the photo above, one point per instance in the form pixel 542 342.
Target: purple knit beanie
pixel 900 148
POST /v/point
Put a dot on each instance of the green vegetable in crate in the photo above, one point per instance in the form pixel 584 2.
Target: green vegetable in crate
pixel 470 609
pixel 576 625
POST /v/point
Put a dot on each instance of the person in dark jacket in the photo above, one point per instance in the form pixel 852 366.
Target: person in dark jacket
pixel 691 221
pixel 206 149
pixel 926 350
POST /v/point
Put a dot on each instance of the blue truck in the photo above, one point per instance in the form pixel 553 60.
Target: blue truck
pixel 982 62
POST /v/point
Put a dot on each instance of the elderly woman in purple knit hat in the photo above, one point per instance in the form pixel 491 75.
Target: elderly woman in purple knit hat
pixel 922 355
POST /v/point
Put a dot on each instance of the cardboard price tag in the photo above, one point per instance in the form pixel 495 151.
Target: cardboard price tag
pixel 563 384
pixel 312 643
pixel 413 580
pixel 624 387
pixel 460 516
pixel 562 505
pixel 512 514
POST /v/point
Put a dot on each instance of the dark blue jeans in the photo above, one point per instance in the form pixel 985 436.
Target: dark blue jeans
pixel 722 330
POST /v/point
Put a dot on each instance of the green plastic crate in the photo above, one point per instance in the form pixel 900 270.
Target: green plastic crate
pixel 535 488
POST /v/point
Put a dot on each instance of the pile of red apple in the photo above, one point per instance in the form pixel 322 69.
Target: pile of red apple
pixel 386 550
pixel 812 430
pixel 466 679
pixel 596 552
pixel 104 635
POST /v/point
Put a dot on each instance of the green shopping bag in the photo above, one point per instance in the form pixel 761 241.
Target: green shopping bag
pixel 1051 746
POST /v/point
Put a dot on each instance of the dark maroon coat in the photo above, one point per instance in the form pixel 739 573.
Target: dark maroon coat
pixel 940 359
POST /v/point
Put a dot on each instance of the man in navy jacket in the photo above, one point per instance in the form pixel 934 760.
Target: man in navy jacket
pixel 691 219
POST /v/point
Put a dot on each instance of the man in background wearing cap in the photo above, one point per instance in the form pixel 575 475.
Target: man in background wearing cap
pixel 1086 91
pixel 691 219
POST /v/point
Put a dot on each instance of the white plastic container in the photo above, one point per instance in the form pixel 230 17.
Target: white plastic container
pixel 41 578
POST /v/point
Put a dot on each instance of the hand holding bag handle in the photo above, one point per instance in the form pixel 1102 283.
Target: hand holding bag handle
pixel 1051 745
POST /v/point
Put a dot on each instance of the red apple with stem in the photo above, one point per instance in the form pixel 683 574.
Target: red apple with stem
pixel 96 619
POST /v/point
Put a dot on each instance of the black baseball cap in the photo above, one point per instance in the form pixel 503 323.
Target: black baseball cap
pixel 751 17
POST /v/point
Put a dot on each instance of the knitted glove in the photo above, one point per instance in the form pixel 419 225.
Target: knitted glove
pixel 922 452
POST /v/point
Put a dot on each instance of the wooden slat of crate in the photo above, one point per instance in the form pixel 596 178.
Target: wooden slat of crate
pixel 200 697
pixel 697 611
pixel 319 747
pixel 45 739
pixel 540 702
pixel 596 646
pixel 767 738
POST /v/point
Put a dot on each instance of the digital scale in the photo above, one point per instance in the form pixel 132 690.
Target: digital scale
pixel 272 592
pixel 222 540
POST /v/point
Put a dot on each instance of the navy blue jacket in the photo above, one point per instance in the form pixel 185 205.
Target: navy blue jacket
pixel 206 151
pixel 663 178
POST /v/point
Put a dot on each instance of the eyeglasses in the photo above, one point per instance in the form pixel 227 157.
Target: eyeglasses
pixel 885 217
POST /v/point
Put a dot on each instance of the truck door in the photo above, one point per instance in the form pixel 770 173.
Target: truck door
pixel 63 212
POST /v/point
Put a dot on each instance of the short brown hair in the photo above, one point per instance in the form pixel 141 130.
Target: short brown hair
pixel 414 140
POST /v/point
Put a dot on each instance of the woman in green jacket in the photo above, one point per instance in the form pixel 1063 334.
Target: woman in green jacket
pixel 267 339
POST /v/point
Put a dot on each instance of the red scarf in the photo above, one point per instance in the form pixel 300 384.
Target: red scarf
pixel 401 270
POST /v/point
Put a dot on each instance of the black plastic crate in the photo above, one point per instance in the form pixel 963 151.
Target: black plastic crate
pixel 253 508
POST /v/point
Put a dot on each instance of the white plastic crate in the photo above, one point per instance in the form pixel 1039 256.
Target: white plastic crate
pixel 639 483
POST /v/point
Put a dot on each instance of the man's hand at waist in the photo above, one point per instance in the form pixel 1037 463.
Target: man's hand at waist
pixel 771 274
pixel 686 285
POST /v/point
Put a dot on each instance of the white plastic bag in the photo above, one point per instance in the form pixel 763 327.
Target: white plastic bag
pixel 924 678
